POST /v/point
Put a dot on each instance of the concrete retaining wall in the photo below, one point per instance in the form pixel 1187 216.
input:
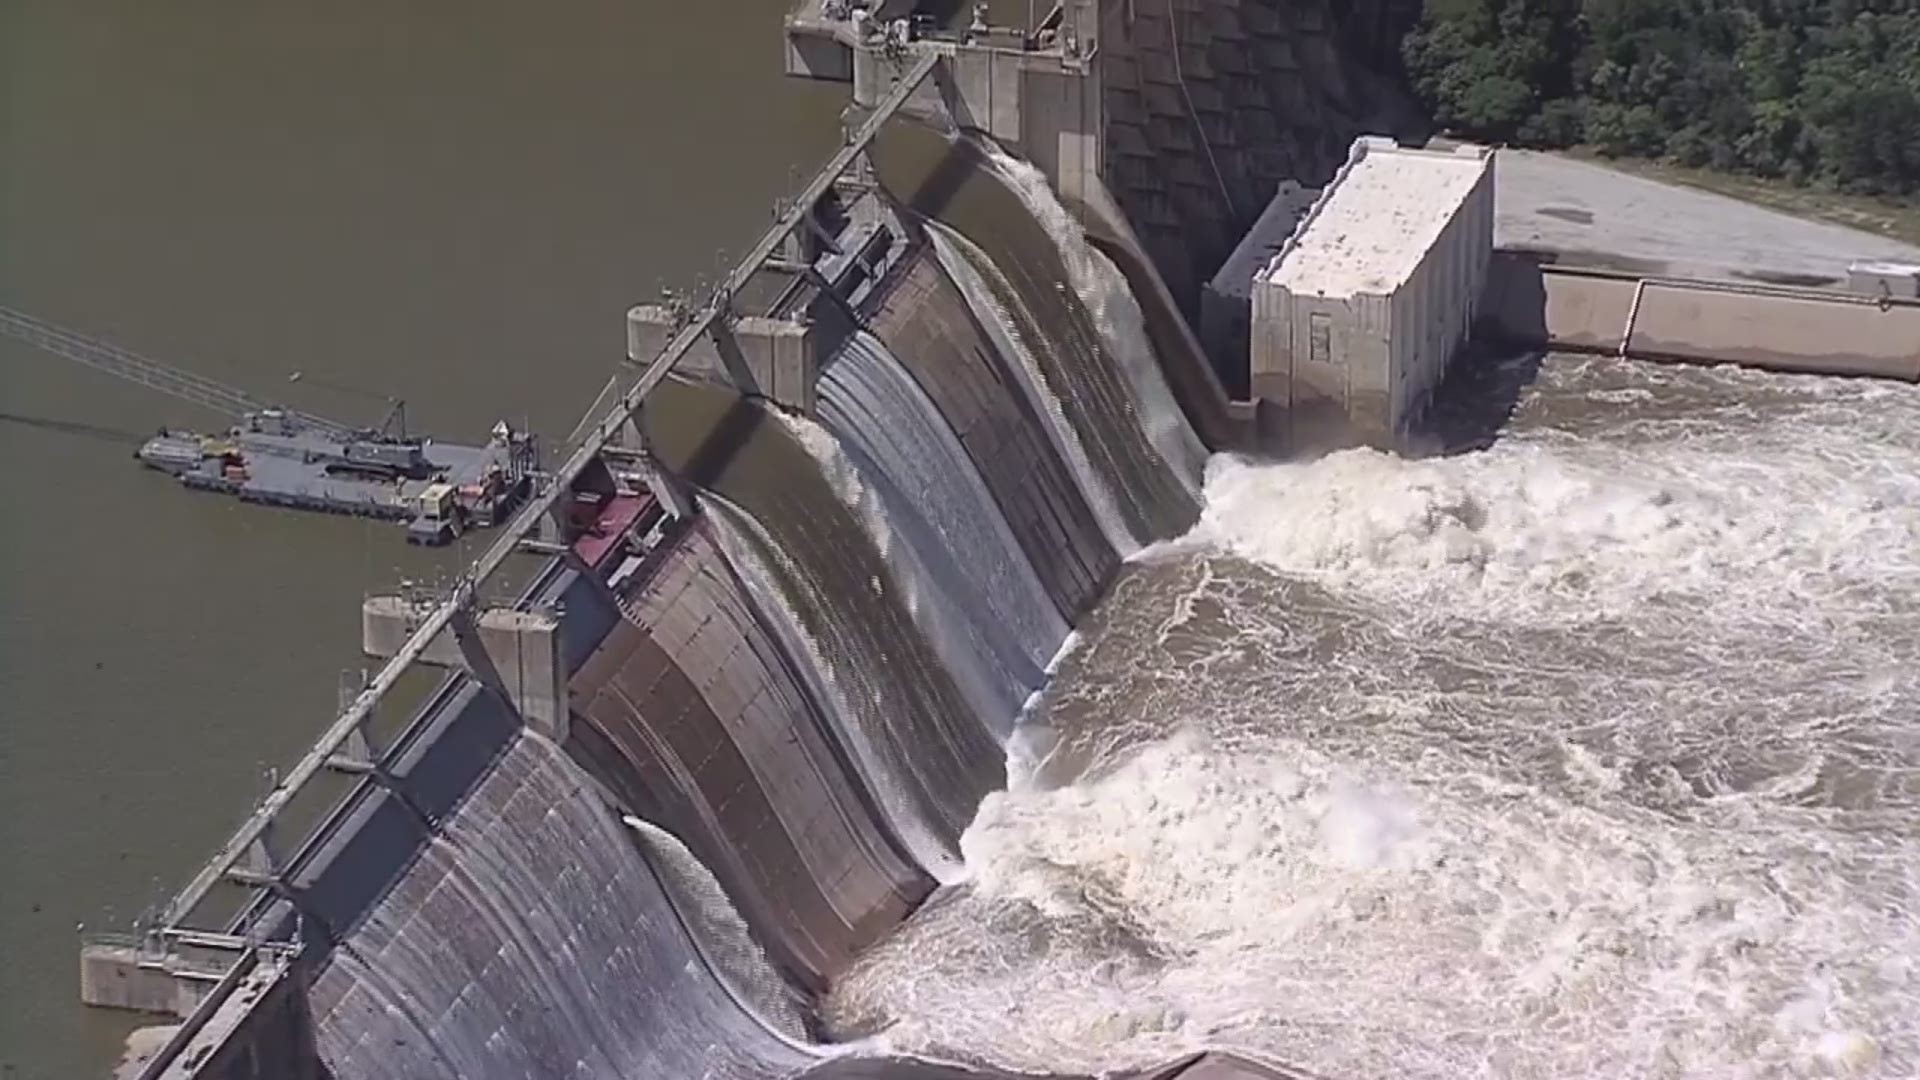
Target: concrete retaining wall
pixel 1537 306
pixel 118 975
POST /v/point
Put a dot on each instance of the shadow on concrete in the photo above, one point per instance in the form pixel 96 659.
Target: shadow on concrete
pixel 1578 259
pixel 934 172
pixel 1475 402
pixel 1777 277
pixel 1513 303
pixel 711 456
pixel 1571 214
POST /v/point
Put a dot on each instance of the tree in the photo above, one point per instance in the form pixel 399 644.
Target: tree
pixel 1821 91
pixel 1487 67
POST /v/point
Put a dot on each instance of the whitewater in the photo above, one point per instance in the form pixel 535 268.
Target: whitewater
pixel 1590 753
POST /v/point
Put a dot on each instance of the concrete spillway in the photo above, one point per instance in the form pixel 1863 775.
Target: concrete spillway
pixel 699 720
pixel 810 687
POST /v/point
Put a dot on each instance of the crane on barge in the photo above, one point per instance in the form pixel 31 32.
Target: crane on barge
pixel 285 457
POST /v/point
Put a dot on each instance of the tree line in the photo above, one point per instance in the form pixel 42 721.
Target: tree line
pixel 1822 92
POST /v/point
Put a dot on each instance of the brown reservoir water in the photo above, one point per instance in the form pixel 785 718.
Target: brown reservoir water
pixel 452 204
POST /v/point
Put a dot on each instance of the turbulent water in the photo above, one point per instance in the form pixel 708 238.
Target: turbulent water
pixel 1590 753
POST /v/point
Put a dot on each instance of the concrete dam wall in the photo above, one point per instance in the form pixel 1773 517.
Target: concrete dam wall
pixel 799 699
pixel 1208 107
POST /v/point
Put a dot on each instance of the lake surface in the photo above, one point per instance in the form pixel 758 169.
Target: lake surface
pixel 454 206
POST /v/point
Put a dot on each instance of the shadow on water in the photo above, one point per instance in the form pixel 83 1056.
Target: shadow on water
pixel 1475 402
pixel 77 429
pixel 932 167
pixel 732 429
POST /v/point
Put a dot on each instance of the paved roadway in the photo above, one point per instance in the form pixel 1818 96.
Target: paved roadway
pixel 1601 217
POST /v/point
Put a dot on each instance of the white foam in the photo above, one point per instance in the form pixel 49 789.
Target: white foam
pixel 1532 527
pixel 1589 755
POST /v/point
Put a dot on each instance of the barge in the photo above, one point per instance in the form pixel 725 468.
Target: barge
pixel 277 458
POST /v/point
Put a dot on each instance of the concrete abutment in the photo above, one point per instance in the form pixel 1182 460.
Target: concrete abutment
pixel 517 653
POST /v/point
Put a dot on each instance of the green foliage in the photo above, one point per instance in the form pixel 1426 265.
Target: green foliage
pixel 1816 91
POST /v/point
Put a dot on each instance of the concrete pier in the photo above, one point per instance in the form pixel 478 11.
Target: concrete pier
pixel 517 652
pixel 141 976
pixel 770 358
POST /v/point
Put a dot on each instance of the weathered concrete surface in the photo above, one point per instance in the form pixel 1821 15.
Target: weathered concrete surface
pixel 1356 320
pixel 1208 106
pixel 712 737
pixel 1777 329
pixel 1526 305
pixel 262 1031
pixel 1594 216
pixel 118 976
pixel 778 359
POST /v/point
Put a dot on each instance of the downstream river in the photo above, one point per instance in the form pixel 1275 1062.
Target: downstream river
pixel 1588 753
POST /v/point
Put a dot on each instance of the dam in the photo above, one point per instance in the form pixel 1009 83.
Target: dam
pixel 786 657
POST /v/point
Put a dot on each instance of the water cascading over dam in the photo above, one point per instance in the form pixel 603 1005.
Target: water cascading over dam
pixel 1587 753
pixel 812 688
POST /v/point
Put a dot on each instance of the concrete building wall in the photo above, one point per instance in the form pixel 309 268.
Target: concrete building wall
pixel 1434 312
pixel 1321 368
pixel 523 647
pixel 1061 124
pixel 1353 328
pixel 1225 303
